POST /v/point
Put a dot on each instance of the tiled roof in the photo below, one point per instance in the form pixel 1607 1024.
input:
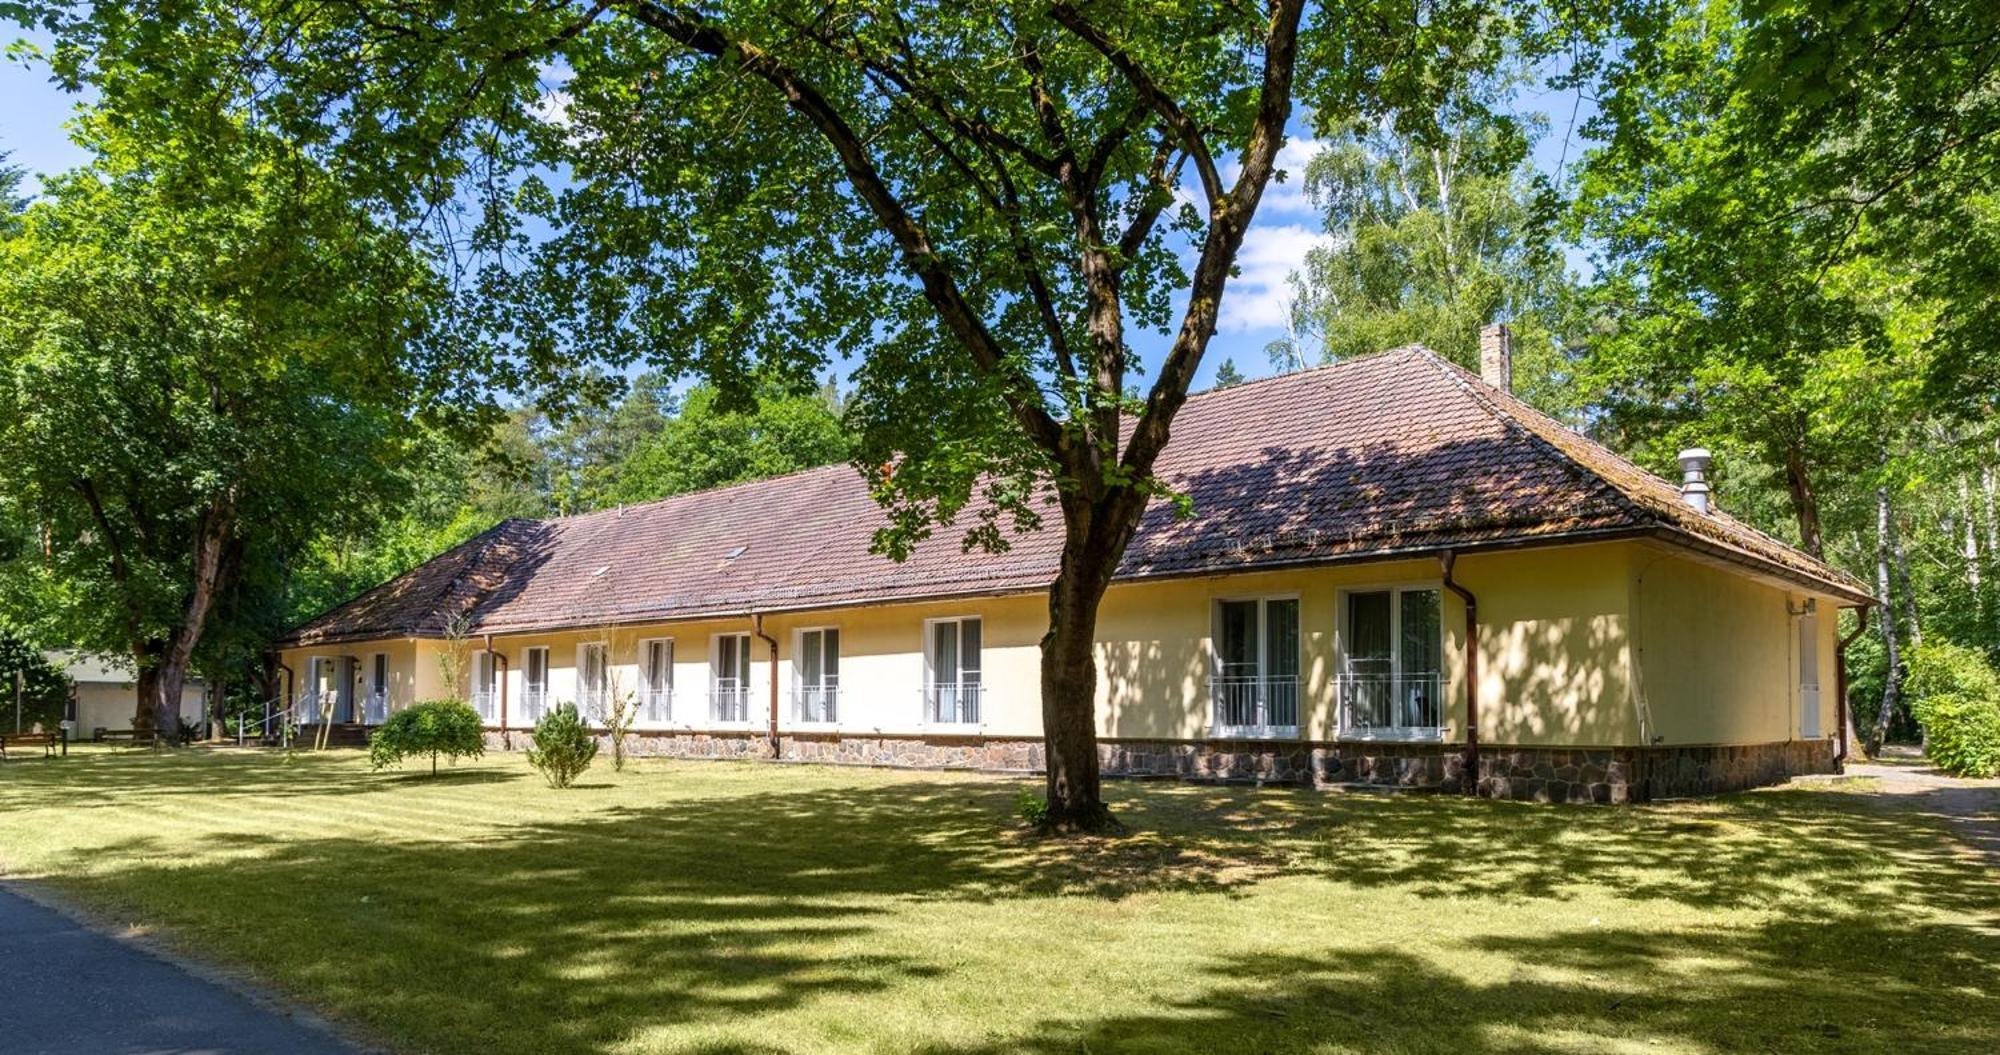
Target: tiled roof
pixel 1391 453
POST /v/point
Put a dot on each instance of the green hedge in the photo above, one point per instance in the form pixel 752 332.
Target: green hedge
pixel 1957 701
pixel 434 727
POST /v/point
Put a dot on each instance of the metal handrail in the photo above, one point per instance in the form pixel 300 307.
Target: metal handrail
pixel 953 702
pixel 1257 703
pixel 1410 704
pixel 816 703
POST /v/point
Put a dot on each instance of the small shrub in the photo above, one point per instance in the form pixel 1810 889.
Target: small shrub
pixel 435 727
pixel 1964 733
pixel 562 747
pixel 1031 808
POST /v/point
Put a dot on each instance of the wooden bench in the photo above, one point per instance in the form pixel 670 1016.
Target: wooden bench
pixel 135 737
pixel 47 740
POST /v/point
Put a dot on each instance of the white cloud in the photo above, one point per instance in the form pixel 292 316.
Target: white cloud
pixel 1288 199
pixel 1259 297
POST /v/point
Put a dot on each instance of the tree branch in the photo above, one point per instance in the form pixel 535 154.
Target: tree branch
pixel 1149 91
pixel 1024 399
pixel 1219 248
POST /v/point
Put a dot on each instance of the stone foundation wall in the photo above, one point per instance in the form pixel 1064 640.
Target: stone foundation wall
pixel 1537 774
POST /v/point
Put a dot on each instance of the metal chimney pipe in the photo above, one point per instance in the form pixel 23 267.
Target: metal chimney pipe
pixel 1694 477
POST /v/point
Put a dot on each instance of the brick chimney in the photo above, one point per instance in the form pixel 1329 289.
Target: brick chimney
pixel 1496 356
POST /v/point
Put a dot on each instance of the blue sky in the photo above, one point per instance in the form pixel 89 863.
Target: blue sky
pixel 1253 311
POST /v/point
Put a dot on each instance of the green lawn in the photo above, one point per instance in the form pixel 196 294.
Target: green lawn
pixel 721 907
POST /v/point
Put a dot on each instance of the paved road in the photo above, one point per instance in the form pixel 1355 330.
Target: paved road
pixel 72 991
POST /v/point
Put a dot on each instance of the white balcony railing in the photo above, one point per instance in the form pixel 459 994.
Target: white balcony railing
pixel 656 706
pixel 488 706
pixel 1392 706
pixel 534 704
pixel 953 702
pixel 375 709
pixel 729 701
pixel 816 703
pixel 1256 705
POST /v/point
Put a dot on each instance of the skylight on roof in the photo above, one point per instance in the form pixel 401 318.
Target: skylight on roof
pixel 734 553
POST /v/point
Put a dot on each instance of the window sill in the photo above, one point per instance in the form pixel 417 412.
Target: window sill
pixel 953 728
pixel 1254 732
pixel 1392 736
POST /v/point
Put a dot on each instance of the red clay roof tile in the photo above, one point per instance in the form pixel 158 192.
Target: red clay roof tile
pixel 1396 452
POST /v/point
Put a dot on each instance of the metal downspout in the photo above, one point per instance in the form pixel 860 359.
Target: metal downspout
pixel 757 627
pixel 1840 680
pixel 1470 780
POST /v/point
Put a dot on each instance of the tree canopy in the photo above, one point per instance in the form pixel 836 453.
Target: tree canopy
pixel 206 359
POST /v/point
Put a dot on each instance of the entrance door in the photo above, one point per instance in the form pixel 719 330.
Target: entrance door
pixel 323 688
pixel 1809 676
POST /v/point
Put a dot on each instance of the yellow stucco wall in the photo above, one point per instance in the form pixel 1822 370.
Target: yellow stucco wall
pixel 1718 653
pixel 1603 644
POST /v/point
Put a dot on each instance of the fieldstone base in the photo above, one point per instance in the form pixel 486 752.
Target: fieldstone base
pixel 1537 774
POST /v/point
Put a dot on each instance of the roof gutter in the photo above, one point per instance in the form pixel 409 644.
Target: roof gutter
pixel 1470 780
pixel 757 627
pixel 1840 683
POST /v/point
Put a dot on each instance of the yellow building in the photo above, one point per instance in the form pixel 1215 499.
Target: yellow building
pixel 1384 557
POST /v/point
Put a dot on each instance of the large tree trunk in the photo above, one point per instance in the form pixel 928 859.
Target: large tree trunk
pixel 1892 684
pixel 1805 502
pixel 170 675
pixel 1093 545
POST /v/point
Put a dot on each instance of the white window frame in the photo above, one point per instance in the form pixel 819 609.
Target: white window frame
pixel 646 671
pixel 930 672
pixel 528 686
pixel 484 675
pixel 1263 602
pixel 584 710
pixel 799 686
pixel 1343 634
pixel 748 664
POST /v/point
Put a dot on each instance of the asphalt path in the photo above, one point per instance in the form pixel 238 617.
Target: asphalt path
pixel 70 990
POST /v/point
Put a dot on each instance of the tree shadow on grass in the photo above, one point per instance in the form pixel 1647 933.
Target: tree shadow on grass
pixel 1784 986
pixel 1738 851
pixel 561 931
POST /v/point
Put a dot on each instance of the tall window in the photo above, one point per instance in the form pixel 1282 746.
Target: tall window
pixel 1392 668
pixel 819 675
pixel 593 695
pixel 534 684
pixel 657 670
pixel 952 695
pixel 729 695
pixel 1256 686
pixel 484 699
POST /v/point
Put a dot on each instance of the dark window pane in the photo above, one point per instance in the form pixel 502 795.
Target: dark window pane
pixel 1421 631
pixel 1238 646
pixel 1281 637
pixel 1368 640
pixel 969 646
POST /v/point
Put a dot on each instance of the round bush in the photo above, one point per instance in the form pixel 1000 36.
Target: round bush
pixel 435 727
pixel 1964 733
pixel 562 747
